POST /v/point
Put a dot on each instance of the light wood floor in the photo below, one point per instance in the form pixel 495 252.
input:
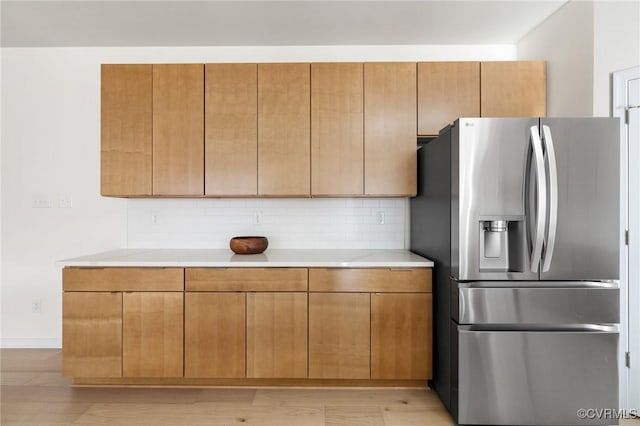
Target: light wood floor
pixel 34 393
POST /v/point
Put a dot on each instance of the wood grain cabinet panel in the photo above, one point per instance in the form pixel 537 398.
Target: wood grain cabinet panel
pixel 123 279
pixel 231 129
pixel 277 335
pixel 215 335
pixel 513 89
pixel 446 91
pixel 337 134
pixel 246 279
pixel 284 130
pixel 390 126
pixel 370 280
pixel 339 336
pixel 125 130
pixel 178 129
pixel 152 334
pixel 92 334
pixel 401 336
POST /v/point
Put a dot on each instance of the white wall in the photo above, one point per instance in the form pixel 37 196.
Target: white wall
pixel 565 41
pixel 51 143
pixel 584 42
pixel 616 31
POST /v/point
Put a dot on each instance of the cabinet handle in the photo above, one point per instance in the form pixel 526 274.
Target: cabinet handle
pixel 401 269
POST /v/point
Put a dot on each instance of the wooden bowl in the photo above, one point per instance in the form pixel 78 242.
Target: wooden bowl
pixel 248 245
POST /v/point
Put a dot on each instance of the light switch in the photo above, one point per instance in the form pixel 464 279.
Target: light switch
pixel 40 201
pixel 65 201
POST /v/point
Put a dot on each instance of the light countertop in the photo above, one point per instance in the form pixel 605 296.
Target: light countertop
pixel 275 258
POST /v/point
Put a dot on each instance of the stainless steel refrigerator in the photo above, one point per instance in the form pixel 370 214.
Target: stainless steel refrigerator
pixel 520 216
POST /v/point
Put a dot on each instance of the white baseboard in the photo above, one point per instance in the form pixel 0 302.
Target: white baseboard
pixel 30 343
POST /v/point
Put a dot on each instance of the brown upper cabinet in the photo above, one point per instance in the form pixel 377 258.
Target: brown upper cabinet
pixel 337 133
pixel 125 130
pixel 152 124
pixel 513 89
pixel 178 129
pixel 284 158
pixel 231 129
pixel 446 91
pixel 293 130
pixel 390 123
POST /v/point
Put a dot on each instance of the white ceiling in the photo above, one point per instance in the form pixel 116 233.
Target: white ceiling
pixel 261 23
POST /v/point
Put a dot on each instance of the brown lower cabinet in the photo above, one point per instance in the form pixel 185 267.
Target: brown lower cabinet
pixel 401 336
pixel 122 322
pixel 116 334
pixel 246 323
pixel 339 326
pixel 152 334
pixel 370 336
pixel 277 335
pixel 214 334
pixel 92 334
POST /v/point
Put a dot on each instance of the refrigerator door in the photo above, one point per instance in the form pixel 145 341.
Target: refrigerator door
pixel 586 241
pixel 491 162
pixel 536 377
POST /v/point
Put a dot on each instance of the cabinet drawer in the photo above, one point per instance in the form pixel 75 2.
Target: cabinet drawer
pixel 246 279
pixel 371 280
pixel 123 279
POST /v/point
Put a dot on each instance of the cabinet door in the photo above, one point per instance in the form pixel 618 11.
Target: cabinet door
pixel 277 335
pixel 401 336
pixel 446 91
pixel 513 89
pixel 390 128
pixel 214 335
pixel 337 134
pixel 178 129
pixel 339 341
pixel 152 337
pixel 125 130
pixel 92 334
pixel 231 129
pixel 284 129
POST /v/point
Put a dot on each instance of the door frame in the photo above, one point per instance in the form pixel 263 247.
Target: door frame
pixel 618 108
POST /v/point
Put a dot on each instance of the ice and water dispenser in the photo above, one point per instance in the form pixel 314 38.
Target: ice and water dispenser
pixel 501 243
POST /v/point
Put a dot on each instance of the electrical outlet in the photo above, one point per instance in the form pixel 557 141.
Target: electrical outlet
pixel 380 218
pixel 40 201
pixel 256 218
pixel 36 306
pixel 154 217
pixel 65 201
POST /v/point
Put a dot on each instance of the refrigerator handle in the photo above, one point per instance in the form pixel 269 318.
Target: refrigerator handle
pixel 552 218
pixel 541 199
pixel 592 328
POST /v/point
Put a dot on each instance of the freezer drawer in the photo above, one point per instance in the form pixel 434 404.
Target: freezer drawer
pixel 536 377
pixel 536 305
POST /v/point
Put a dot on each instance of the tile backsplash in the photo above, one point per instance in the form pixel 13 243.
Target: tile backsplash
pixel 309 223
